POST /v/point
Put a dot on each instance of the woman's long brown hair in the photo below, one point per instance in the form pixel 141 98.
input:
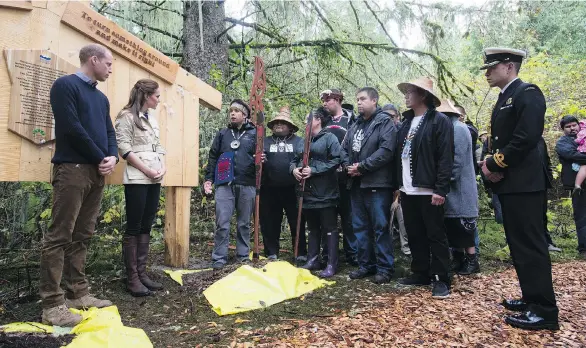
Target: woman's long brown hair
pixel 139 94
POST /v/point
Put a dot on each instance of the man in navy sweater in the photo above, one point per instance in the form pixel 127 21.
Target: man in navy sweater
pixel 85 153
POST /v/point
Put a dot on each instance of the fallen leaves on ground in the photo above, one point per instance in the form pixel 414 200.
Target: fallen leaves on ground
pixel 471 317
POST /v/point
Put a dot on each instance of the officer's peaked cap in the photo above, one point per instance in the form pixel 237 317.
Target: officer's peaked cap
pixel 496 55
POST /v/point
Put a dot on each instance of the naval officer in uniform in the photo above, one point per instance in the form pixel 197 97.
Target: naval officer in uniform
pixel 518 175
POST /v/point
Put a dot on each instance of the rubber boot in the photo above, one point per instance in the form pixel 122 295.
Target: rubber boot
pixel 142 257
pixel 313 257
pixel 324 251
pixel 129 252
pixel 333 246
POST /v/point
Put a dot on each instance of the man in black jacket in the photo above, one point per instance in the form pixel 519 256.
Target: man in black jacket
pixel 277 192
pixel 518 176
pixel 231 168
pixel 571 158
pixel 369 147
pixel 424 168
pixel 338 125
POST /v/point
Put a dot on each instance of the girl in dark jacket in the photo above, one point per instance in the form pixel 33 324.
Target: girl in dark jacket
pixel 321 194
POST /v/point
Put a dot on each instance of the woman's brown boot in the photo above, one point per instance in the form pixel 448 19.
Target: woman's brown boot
pixel 142 256
pixel 129 253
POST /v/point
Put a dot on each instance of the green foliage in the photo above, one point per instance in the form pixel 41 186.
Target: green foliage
pixel 503 254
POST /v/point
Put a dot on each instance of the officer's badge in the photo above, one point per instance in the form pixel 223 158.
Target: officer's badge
pixel 509 101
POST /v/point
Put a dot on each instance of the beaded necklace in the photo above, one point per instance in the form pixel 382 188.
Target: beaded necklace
pixel 407 148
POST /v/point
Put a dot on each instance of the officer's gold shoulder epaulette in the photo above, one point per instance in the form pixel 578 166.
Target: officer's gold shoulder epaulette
pixel 530 88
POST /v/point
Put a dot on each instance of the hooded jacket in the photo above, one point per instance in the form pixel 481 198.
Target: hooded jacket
pixel 321 189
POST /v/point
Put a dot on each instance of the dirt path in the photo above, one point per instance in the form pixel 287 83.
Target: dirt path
pixel 350 313
pixel 471 317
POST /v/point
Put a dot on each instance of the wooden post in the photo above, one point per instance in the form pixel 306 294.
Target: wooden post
pixel 177 202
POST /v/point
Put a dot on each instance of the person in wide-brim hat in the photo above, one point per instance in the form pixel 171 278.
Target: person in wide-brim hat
pixel 461 207
pixel 447 108
pixel 423 83
pixel 278 195
pixel 283 116
pixel 423 172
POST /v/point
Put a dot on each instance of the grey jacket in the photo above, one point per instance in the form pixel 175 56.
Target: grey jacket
pixel 462 200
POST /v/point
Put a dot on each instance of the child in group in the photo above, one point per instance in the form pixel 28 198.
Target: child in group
pixel 581 141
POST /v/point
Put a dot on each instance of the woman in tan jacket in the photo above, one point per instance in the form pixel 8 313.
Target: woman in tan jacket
pixel 137 135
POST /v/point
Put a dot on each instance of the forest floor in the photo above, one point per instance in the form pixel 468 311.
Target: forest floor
pixel 349 313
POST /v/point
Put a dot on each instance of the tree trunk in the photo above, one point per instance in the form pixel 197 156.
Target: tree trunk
pixel 214 54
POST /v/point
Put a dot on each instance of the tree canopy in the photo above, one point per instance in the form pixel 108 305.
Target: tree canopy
pixel 311 45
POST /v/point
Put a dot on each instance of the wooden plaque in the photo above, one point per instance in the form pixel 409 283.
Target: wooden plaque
pixel 18 4
pixel 32 73
pixel 104 31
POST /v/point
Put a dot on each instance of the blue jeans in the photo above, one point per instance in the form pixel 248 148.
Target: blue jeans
pixel 370 221
pixel 230 198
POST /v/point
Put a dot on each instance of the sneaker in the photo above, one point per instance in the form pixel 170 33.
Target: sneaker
pixel 406 251
pixel 360 273
pixel 382 278
pixel 60 316
pixel 440 290
pixel 272 257
pixel 86 302
pixel 415 280
pixel 552 247
pixel 217 265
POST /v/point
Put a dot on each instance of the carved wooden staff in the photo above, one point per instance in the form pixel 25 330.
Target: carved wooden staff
pixel 304 163
pixel 259 83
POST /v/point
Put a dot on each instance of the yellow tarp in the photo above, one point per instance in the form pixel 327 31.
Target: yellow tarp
pixel 260 257
pixel 178 274
pixel 250 288
pixel 27 327
pixel 100 328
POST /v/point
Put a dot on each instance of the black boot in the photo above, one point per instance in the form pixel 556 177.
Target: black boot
pixel 313 257
pixel 470 265
pixel 141 257
pixel 333 246
pixel 129 251
pixel 457 260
